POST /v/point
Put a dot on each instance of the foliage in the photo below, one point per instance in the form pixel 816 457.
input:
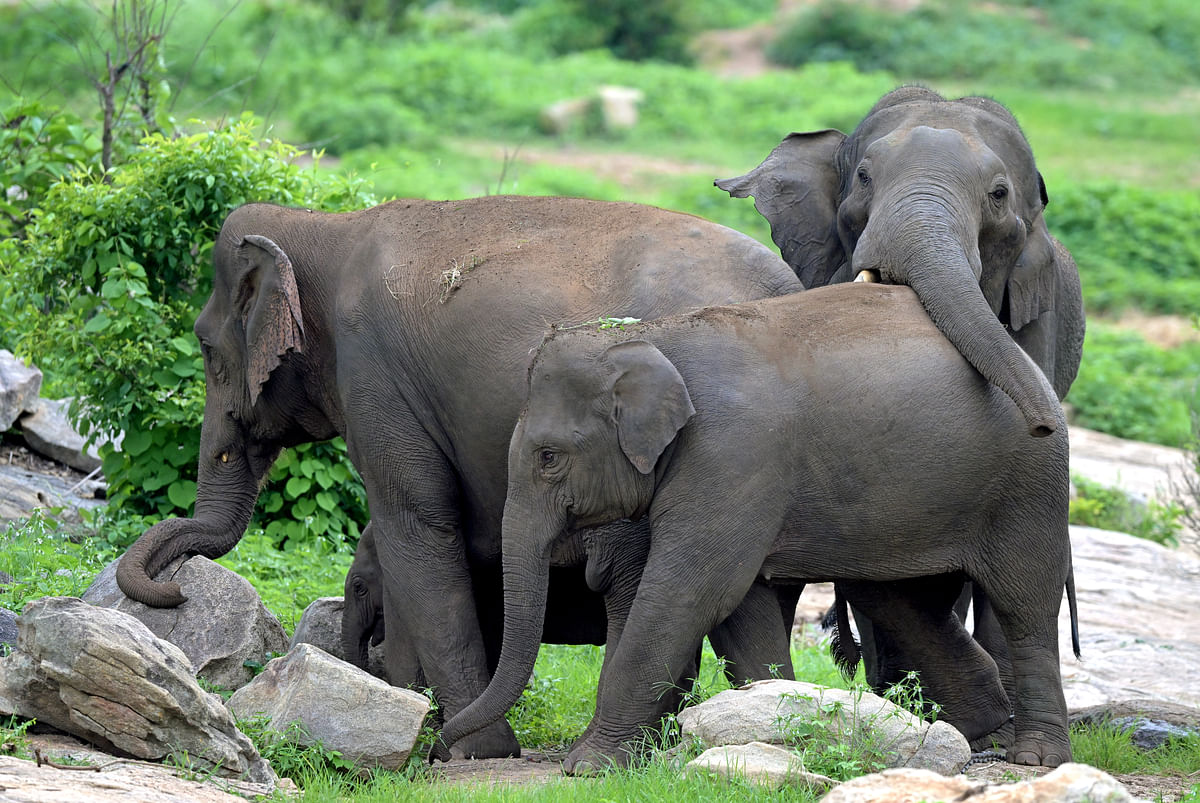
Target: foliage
pixel 956 39
pixel 13 741
pixel 1135 247
pixel 1133 389
pixel 108 284
pixel 1096 505
pixel 1111 749
pixel 46 558
pixel 292 753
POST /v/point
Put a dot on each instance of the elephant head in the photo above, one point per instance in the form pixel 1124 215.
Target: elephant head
pixel 584 452
pixel 251 333
pixel 943 196
pixel 362 612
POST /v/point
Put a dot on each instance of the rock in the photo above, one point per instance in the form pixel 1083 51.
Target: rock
pixel 1138 639
pixel 1147 734
pixel 22 491
pixel 19 388
pixel 560 117
pixel 49 432
pixel 368 721
pixel 1182 715
pixel 321 626
pixel 618 107
pixel 101 675
pixel 8 630
pixel 758 762
pixel 117 781
pixel 767 709
pixel 1070 783
pixel 5 579
pixel 222 625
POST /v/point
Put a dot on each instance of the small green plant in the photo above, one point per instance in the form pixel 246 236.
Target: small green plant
pixel 1111 749
pixel 1096 505
pixel 189 768
pixel 293 753
pixel 13 741
pixel 47 558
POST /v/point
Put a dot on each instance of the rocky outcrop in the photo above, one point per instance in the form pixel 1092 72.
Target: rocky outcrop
pixel 221 627
pixel 337 705
pixel 49 431
pixel 19 388
pixel 782 711
pixel 1070 783
pixel 101 675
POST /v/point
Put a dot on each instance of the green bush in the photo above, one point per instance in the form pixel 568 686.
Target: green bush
pixel 1133 389
pixel 105 289
pixel 1096 505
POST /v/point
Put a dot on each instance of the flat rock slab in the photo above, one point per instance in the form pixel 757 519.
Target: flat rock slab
pixel 530 768
pixel 1138 624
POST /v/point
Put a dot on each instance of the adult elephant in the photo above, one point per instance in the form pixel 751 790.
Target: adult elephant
pixel 943 196
pixel 406 329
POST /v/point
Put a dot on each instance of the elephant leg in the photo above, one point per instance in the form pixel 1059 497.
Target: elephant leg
pixel 753 640
pixel 422 556
pixel 1023 578
pixel 401 660
pixel 917 622
pixel 676 604
pixel 990 635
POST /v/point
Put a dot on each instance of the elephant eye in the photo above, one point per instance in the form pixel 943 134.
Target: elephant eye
pixel 1000 193
pixel 864 177
pixel 547 458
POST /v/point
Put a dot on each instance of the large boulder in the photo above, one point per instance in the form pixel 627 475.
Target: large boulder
pixel 20 385
pixel 781 711
pixel 321 626
pixel 336 704
pixel 222 626
pixel 48 430
pixel 101 675
pixel 8 630
pixel 1070 783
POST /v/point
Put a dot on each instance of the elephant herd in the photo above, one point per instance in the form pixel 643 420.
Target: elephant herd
pixel 533 478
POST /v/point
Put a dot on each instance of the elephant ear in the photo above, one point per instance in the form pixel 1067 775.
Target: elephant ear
pixel 797 189
pixel 650 402
pixel 1031 286
pixel 269 305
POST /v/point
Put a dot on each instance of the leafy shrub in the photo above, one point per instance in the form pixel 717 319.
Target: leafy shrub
pixel 46 558
pixel 1134 389
pixel 1096 505
pixel 108 284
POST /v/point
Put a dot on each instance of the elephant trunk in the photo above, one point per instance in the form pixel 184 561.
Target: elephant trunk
pixel 526 579
pixel 944 274
pixel 226 490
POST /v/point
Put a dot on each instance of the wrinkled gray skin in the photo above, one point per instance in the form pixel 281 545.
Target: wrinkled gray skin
pixel 830 435
pixel 362 609
pixel 358 325
pixel 944 196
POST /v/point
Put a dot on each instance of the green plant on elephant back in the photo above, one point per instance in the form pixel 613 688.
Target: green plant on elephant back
pixel 107 284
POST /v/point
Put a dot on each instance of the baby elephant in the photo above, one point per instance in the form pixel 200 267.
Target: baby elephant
pixel 833 434
pixel 362 611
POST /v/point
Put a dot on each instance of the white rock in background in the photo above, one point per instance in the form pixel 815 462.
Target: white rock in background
pixel 48 430
pixel 19 388
pixel 222 625
pixel 102 675
pixel 368 721
pixel 762 712
pixel 1070 783
pixel 758 762
pixel 618 107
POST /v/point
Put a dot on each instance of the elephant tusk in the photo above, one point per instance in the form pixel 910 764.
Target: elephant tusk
pixel 871 276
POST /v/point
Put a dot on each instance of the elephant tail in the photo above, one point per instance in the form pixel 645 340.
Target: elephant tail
pixel 1074 609
pixel 842 646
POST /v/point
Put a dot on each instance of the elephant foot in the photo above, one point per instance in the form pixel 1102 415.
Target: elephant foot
pixel 999 739
pixel 495 741
pixel 592 754
pixel 1034 753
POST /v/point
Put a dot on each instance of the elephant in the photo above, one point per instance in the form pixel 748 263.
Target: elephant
pixel 362 610
pixel 943 196
pixel 404 329
pixel 834 434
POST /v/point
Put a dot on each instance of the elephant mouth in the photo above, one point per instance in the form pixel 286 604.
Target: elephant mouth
pixel 869 276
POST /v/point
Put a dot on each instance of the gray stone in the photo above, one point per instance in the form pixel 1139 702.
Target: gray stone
pixel 48 430
pixel 770 710
pixel 1070 783
pixel 1182 715
pixel 22 491
pixel 618 107
pixel 760 763
pixel 19 388
pixel 8 630
pixel 321 626
pixel 101 675
pixel 1147 734
pixel 368 721
pixel 222 625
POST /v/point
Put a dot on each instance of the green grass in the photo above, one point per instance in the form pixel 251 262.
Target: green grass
pixel 1096 505
pixel 1109 749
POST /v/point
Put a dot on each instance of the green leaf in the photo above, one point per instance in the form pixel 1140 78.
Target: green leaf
pixel 327 500
pixel 182 493
pixel 96 323
pixel 136 442
pixel 296 486
pixel 303 508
